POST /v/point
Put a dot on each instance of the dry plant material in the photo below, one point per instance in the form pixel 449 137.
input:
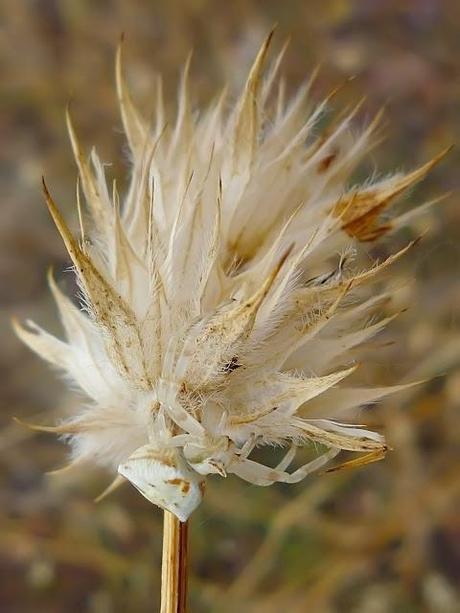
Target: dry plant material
pixel 174 565
pixel 213 307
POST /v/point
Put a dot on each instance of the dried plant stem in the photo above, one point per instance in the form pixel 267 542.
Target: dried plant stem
pixel 174 565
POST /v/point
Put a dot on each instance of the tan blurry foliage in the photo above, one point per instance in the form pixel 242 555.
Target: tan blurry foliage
pixel 382 538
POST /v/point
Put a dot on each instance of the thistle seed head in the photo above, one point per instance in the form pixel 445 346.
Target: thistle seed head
pixel 214 309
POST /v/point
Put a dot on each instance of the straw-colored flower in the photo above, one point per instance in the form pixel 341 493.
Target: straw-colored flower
pixel 214 304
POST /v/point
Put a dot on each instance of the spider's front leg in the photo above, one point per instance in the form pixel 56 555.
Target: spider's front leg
pixel 253 472
pixel 167 393
pixel 287 459
pixel 310 467
pixel 247 448
pixel 259 474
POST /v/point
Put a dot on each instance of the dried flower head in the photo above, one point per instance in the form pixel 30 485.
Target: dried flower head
pixel 214 306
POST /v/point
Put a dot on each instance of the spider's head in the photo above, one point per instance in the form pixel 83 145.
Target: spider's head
pixel 210 457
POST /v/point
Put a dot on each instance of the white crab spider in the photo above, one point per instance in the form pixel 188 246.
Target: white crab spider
pixel 171 477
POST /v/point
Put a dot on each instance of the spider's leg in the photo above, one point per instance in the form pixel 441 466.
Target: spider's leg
pixel 248 446
pixel 184 419
pixel 167 393
pixel 179 440
pixel 310 467
pixel 255 473
pixel 287 459
pixel 259 474
pixel 277 472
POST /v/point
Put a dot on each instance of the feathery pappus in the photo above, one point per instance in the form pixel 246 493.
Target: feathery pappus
pixel 211 313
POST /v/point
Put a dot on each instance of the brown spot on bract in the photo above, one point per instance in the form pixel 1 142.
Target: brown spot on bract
pixel 360 215
pixel 184 485
pixel 232 365
pixel 326 162
pixel 359 211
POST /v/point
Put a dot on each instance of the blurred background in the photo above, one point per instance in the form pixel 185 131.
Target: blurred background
pixel 384 538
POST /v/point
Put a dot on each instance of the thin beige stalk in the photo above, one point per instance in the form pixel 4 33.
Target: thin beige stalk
pixel 174 565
